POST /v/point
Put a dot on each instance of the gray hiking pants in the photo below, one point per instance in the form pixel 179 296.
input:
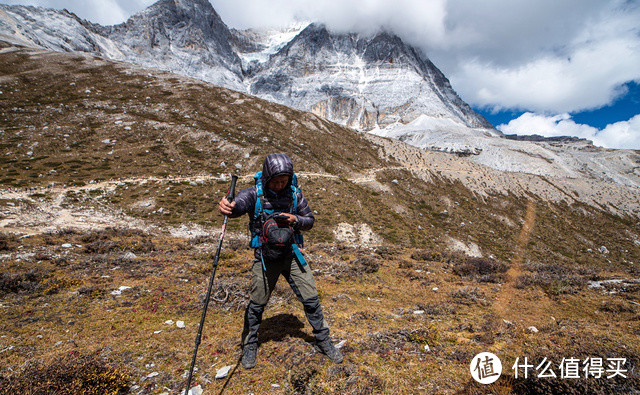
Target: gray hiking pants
pixel 303 285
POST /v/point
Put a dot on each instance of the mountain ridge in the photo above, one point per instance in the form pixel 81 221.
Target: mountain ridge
pixel 188 24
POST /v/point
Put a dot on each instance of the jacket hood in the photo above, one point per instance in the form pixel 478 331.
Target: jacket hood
pixel 276 165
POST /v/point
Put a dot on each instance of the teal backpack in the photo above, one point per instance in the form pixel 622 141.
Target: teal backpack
pixel 256 241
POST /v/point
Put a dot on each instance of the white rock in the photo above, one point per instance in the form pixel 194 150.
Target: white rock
pixel 418 312
pixel 532 329
pixel 223 372
pixel 180 324
pixel 197 390
pixel 129 255
pixel 169 322
pixel 157 332
pixel 154 374
pixel 434 289
pixel 426 348
pixel 604 250
pixel 341 344
pixel 119 290
pixel 67 245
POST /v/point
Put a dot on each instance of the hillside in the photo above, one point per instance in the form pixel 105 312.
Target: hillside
pixel 110 177
pixel 375 82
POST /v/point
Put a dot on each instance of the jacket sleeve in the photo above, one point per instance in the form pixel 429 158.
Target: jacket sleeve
pixel 245 202
pixel 305 214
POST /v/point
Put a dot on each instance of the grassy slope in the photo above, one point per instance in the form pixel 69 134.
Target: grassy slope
pixel 57 303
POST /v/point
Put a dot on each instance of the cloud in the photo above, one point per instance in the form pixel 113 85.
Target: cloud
pixel 584 74
pixel 408 18
pixel 105 12
pixel 624 134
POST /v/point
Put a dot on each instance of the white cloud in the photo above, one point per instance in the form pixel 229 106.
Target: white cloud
pixel 585 73
pixel 105 12
pixel 624 134
pixel 421 21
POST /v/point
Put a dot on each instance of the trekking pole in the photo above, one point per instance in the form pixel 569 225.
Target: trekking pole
pixel 230 194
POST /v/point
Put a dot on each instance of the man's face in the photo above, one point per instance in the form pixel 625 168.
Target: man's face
pixel 278 183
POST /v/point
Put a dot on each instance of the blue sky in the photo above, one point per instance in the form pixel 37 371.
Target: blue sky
pixel 548 67
pixel 622 109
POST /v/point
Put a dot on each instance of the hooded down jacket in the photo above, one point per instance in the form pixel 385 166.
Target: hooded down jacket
pixel 274 165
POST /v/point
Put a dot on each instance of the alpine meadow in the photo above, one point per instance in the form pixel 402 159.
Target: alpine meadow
pixel 434 240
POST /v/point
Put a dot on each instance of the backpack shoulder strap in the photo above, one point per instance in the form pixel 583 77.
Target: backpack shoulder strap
pixel 259 195
pixel 294 194
pixel 257 211
pixel 297 236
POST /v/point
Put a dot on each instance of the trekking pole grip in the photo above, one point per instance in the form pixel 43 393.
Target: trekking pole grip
pixel 232 189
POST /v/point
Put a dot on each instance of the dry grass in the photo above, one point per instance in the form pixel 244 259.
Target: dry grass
pixel 387 317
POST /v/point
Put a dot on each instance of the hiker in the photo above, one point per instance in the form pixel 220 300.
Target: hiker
pixel 282 212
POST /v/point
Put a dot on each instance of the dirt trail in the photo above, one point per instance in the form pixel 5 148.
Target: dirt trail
pixel 506 305
pixel 27 214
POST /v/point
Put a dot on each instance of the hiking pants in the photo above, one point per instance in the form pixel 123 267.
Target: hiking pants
pixel 263 283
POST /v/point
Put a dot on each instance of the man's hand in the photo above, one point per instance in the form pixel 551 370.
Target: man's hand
pixel 225 207
pixel 290 218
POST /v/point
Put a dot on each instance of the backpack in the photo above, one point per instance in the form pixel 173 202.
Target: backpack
pixel 274 240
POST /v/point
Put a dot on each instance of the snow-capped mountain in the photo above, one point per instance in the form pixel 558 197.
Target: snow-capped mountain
pixel 374 83
pixel 183 36
pixel 363 82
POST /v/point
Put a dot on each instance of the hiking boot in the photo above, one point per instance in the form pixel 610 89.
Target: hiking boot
pixel 249 354
pixel 327 348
